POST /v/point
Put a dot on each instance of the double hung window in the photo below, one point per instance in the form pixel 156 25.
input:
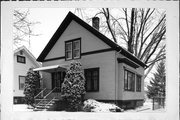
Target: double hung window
pixel 92 79
pixel 72 49
pixel 21 82
pixel 132 81
pixel 129 80
pixel 138 83
pixel 21 59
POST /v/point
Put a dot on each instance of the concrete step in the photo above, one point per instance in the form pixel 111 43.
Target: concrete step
pixel 37 109
pixel 45 104
pixel 42 107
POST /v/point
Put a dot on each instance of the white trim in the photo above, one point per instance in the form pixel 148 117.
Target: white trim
pixel 47 68
pixel 31 56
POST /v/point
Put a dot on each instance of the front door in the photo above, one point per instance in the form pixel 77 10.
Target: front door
pixel 57 80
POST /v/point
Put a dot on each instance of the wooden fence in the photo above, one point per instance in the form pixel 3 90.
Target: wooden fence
pixel 158 102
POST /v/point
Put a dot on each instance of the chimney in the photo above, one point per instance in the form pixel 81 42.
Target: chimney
pixel 95 23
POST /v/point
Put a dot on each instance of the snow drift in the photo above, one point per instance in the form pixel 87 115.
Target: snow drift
pixel 91 105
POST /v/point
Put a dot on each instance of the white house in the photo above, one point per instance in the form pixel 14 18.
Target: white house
pixel 112 73
pixel 23 60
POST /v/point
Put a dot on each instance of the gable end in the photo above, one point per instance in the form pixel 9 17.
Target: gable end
pixel 62 28
pixel 95 32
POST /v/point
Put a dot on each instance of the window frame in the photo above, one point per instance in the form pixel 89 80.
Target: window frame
pixel 57 78
pixel 72 49
pixel 22 57
pixel 68 50
pixel 91 70
pixel 19 82
pixel 126 84
pixel 138 88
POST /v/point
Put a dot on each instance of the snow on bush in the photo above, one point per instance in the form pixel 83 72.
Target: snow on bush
pixel 31 80
pixel 73 87
pixel 91 105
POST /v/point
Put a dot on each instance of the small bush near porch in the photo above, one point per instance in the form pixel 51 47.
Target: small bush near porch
pixel 31 83
pixel 73 87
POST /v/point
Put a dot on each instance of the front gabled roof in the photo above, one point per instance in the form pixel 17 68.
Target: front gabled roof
pixel 70 16
pixel 29 54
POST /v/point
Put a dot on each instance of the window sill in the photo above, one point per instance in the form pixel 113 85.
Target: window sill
pixel 129 91
pixel 93 91
pixel 72 59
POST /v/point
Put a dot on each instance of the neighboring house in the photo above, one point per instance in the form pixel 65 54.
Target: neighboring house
pixel 112 73
pixel 23 60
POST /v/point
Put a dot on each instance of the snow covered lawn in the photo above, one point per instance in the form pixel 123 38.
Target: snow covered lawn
pixel 91 105
pixel 21 107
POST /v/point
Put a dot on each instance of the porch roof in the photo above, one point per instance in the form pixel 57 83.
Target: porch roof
pixel 53 68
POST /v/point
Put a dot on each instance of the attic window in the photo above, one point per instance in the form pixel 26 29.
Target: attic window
pixel 21 59
pixel 72 49
pixel 21 52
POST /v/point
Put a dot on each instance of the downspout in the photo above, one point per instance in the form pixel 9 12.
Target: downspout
pixel 116 77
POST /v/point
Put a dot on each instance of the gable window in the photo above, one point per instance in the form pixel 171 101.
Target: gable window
pixel 21 59
pixel 138 83
pixel 72 49
pixel 129 80
pixel 92 79
pixel 21 82
pixel 69 50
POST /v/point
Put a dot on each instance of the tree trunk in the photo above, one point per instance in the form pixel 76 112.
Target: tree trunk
pixel 130 40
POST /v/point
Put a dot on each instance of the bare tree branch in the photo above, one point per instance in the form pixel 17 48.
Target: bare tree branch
pixel 107 16
pixel 22 27
pixel 142 30
pixel 126 17
pixel 156 59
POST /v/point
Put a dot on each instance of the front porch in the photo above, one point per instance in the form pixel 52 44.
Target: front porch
pixel 50 87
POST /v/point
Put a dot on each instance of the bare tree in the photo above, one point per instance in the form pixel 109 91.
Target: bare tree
pixel 141 30
pixel 22 27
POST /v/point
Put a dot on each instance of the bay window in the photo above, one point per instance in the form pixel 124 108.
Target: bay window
pixel 138 83
pixel 129 80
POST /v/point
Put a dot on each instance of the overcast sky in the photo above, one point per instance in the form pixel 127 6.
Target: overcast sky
pixel 50 19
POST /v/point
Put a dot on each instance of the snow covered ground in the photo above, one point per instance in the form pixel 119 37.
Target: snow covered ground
pixel 21 107
pixel 147 107
pixel 101 107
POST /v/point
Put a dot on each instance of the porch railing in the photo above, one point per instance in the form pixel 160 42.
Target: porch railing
pixel 40 93
pixel 45 93
pixel 50 102
pixel 49 93
pixel 45 98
